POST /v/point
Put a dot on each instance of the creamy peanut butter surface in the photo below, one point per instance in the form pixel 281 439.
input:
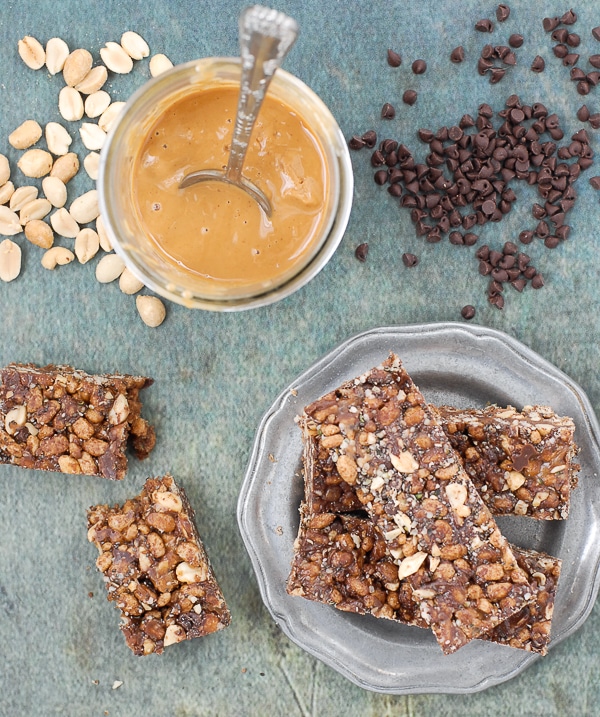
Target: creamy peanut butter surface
pixel 214 229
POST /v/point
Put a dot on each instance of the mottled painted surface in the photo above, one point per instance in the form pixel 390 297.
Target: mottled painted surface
pixel 216 374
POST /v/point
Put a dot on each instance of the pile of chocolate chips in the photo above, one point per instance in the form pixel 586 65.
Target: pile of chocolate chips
pixel 465 180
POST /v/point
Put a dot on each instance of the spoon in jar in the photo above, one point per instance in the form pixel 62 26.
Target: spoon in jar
pixel 266 37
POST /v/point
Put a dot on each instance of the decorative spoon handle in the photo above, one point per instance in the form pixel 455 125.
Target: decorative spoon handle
pixel 266 37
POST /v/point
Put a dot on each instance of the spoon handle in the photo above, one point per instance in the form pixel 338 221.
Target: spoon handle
pixel 266 37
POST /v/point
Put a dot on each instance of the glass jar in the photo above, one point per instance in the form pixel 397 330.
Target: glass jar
pixel 116 185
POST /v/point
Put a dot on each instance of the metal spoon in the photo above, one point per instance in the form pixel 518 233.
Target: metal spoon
pixel 266 37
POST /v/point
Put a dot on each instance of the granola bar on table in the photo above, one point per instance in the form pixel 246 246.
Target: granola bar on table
pixel 388 443
pixel 156 568
pixel 57 418
pixel 522 463
pixel 341 560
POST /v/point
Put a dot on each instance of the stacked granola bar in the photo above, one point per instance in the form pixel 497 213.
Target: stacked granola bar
pixel 397 519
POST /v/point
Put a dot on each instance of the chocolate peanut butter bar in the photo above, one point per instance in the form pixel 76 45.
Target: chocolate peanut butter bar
pixel 156 569
pixel 522 463
pixel 57 418
pixel 387 441
pixel 341 560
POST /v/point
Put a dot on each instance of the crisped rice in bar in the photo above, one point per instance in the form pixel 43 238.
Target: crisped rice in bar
pixel 387 442
pixel 156 569
pixel 57 418
pixel 522 463
pixel 341 560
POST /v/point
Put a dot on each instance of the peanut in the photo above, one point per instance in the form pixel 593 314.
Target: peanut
pixel 26 135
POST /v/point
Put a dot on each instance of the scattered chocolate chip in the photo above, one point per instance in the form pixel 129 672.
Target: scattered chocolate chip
pixel 468 312
pixel 410 260
pixel 538 64
pixel 595 182
pixel 593 78
pixel 570 59
pixel 577 74
pixel 583 87
pixel 361 252
pixel 470 239
pixel 409 97
pixel 457 55
pixel 560 51
pixel 594 120
pixel 569 18
pixel 395 190
pixel 381 177
pixel 377 158
pixel 496 75
pixel 502 13
pixel 388 111
pixel 560 34
pixel 497 300
pixel 573 39
pixel 419 67
pixel 515 40
pixel 484 25
pixel 594 60
pixel 596 33
pixel 356 142
pixel 550 23
pixel 537 281
pixel 551 242
pixel 526 236
pixel 393 58
pixel 370 138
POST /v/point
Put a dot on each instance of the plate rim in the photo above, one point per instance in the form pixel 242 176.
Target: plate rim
pixel 476 331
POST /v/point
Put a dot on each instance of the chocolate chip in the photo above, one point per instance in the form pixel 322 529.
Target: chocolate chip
pixel 410 260
pixel 518 284
pixel 395 190
pixel 570 59
pixel 470 239
pixel 573 39
pixel 569 18
pixel 381 177
pixel 526 236
pixel 537 282
pixel 520 460
pixel 515 40
pixel 538 64
pixel 594 120
pixel 419 67
pixel 577 74
pixel 550 23
pixel 484 25
pixel 551 242
pixel 595 182
pixel 502 13
pixel 560 34
pixel 593 78
pixel 594 60
pixel 496 75
pixel 356 142
pixel 497 300
pixel 596 33
pixel 456 238
pixel 468 312
pixel 388 111
pixel 361 252
pixel 457 55
pixel 510 248
pixel 583 87
pixel 393 58
pixel 370 138
pixel 409 97
pixel 560 51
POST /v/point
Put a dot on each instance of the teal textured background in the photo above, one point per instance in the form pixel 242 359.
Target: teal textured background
pixel 215 374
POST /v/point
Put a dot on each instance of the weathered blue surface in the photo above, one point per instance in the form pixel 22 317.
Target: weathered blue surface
pixel 216 374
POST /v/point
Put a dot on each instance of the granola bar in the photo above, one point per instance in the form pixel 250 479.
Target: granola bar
pixel 341 560
pixel 57 418
pixel 388 443
pixel 156 569
pixel 521 463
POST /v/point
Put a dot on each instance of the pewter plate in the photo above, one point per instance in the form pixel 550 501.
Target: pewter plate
pixel 452 364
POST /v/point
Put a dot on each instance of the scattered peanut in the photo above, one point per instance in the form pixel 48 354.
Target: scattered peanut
pixel 76 66
pixel 57 52
pixel 10 260
pixel 9 222
pixel 35 163
pixel 84 209
pixel 134 45
pixel 105 241
pixel 64 224
pixel 70 104
pixel 93 81
pixel 109 268
pixel 110 114
pixel 57 256
pixel 21 196
pixel 66 167
pixel 151 310
pixel 4 170
pixel 92 135
pixel 129 283
pixel 6 192
pixel 158 64
pixel 32 53
pixel 39 233
pixel 87 245
pixel 55 190
pixel 116 59
pixel 36 209
pixel 96 103
pixel 91 163
pixel 26 135
pixel 57 138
